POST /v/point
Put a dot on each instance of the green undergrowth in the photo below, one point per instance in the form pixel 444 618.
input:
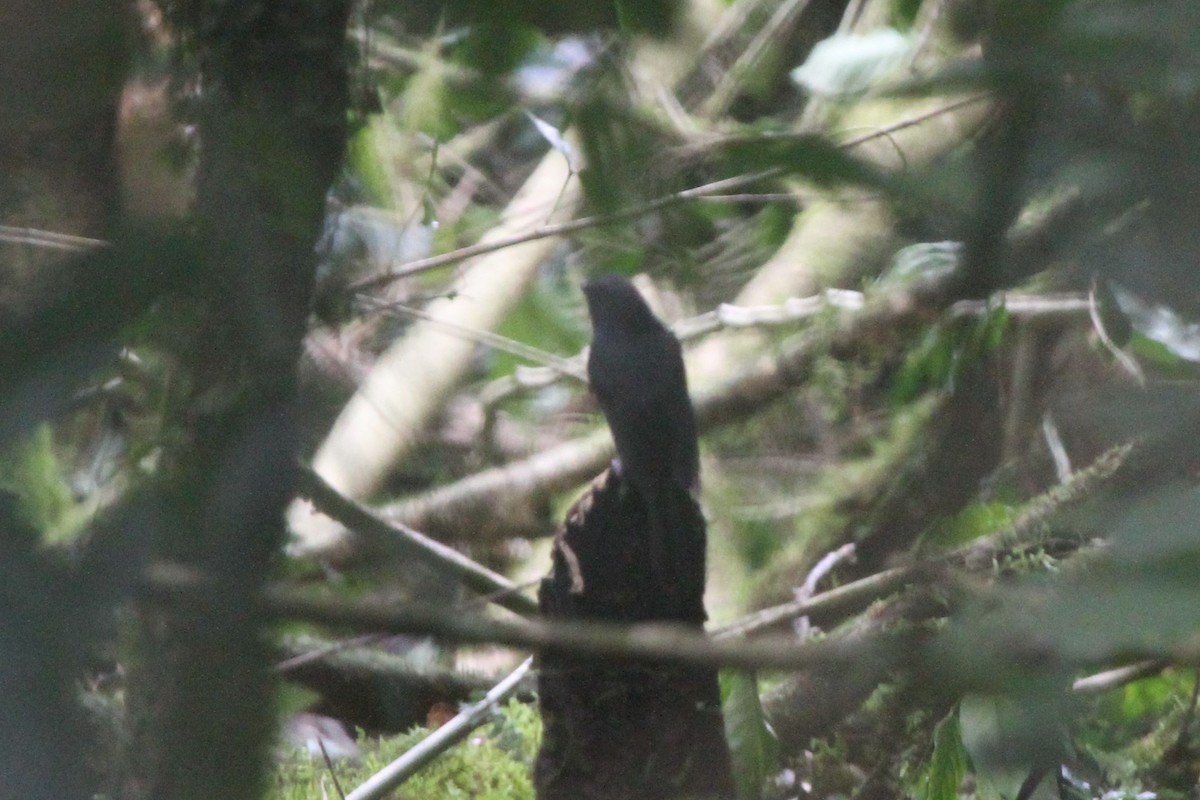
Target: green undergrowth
pixel 494 763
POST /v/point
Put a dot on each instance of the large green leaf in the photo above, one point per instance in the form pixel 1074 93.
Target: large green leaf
pixel 752 743
pixel 948 764
pixel 850 64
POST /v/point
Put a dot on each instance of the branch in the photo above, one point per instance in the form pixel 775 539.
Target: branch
pixel 834 603
pixel 445 737
pixel 172 585
pixel 380 534
pixel 1043 309
pixel 833 606
pixel 706 191
pixel 1118 677
pixel 559 229
pixel 1031 523
pixel 35 237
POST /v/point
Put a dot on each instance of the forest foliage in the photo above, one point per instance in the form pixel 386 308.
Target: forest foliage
pixel 933 264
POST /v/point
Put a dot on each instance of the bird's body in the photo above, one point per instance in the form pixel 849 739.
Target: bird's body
pixel 637 375
pixel 632 550
pixel 636 372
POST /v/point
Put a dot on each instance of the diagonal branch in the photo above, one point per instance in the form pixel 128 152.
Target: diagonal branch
pixel 174 586
pixel 379 534
pixel 383 782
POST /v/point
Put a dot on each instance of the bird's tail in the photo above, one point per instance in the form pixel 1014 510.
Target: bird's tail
pixel 676 548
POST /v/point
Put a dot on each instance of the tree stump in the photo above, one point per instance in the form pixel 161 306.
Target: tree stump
pixel 626 730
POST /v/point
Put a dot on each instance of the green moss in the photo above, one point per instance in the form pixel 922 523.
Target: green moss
pixel 30 470
pixel 366 156
pixel 495 763
pixel 836 495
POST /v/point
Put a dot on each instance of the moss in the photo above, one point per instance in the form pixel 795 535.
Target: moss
pixel 494 763
pixel 836 496
pixel 30 470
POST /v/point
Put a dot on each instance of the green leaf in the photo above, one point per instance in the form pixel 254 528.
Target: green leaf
pixel 946 353
pixel 294 699
pixel 496 45
pixel 29 469
pixel 926 365
pixel 973 521
pixel 1177 337
pixel 905 12
pixel 948 764
pixel 366 159
pixel 924 260
pixel 1152 698
pixel 752 743
pixel 547 317
pixel 646 16
pixel 849 64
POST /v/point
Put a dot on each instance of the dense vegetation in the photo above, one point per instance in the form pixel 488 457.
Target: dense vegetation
pixel 933 262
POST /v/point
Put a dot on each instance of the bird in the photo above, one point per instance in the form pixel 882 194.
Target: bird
pixel 636 371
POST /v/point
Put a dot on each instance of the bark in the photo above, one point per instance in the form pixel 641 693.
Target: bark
pixel 627 730
pixel 272 130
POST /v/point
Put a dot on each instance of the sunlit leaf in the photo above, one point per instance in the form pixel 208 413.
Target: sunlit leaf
pixel 924 260
pixel 554 136
pixel 1161 324
pixel 948 764
pixel 977 519
pixel 752 743
pixel 849 64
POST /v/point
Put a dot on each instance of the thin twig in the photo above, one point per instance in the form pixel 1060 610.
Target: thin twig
pixel 806 590
pixel 909 122
pixel 172 584
pixel 441 740
pixel 755 198
pixel 1116 678
pixel 1124 359
pixel 360 664
pixel 695 193
pixel 556 229
pixel 548 360
pixel 366 523
pixel 329 766
pixel 1065 305
pixel 36 237
pixel 844 599
pixel 877 133
pixel 316 654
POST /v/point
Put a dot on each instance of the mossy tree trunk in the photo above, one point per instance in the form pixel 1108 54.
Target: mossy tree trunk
pixel 272 130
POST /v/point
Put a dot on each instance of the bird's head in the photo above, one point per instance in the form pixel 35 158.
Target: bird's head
pixel 613 301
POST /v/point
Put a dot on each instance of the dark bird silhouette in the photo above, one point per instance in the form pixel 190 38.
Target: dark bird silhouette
pixel 637 375
pixel 631 550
